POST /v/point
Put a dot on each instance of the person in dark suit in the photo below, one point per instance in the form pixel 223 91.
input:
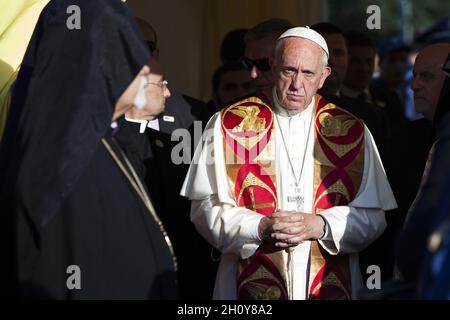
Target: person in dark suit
pixel 230 83
pixel 376 121
pixel 428 82
pixel 260 42
pixel 358 80
pixel 338 62
pixel 162 147
pixel 77 222
pixel 395 73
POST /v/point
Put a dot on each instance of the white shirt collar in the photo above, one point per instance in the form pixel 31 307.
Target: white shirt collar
pixel 154 124
pixel 280 110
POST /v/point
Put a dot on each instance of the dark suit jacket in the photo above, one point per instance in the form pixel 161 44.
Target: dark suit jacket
pixel 164 179
pixel 418 227
pixel 403 148
pixel 369 114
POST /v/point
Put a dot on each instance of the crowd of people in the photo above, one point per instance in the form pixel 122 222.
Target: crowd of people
pixel 341 146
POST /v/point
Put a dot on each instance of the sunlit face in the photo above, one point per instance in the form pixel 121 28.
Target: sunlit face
pixel 298 72
pixel 429 79
pixel 157 92
pixel 261 50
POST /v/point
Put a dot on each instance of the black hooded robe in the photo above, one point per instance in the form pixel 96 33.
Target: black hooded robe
pixel 103 228
pixel 73 226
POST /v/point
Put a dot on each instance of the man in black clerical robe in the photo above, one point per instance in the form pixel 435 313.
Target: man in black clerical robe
pixel 151 146
pixel 77 222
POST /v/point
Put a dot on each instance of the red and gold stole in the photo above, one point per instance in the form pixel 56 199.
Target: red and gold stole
pixel 249 158
pixel 338 170
pixel 250 163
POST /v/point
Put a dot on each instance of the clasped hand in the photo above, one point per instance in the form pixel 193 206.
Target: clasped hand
pixel 284 229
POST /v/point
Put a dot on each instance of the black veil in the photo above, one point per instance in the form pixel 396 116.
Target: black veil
pixel 63 102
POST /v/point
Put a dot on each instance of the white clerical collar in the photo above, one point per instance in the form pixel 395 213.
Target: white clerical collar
pixel 154 124
pixel 280 110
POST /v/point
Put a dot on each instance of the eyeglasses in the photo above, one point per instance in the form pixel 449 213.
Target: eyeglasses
pixel 162 84
pixel 260 64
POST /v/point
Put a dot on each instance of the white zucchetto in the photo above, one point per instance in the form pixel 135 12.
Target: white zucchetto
pixel 307 33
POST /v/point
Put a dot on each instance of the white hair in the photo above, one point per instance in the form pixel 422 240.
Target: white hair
pixel 280 43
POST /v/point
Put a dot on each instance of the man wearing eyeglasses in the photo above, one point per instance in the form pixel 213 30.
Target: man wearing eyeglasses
pixel 259 49
pixel 156 92
pixel 150 145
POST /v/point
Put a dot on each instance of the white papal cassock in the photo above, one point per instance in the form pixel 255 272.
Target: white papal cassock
pixel 234 230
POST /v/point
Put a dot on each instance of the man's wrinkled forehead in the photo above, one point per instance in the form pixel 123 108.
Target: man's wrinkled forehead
pixel 431 67
pixel 298 49
pixel 156 77
pixel 432 57
pixel 427 65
